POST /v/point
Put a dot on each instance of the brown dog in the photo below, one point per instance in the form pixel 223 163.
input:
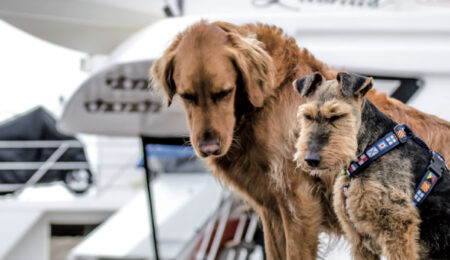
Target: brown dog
pixel 236 85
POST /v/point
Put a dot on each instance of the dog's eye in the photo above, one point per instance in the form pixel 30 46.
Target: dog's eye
pixel 222 94
pixel 188 97
pixel 309 117
pixel 334 118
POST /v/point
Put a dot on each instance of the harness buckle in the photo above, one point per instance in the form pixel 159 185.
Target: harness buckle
pixel 437 164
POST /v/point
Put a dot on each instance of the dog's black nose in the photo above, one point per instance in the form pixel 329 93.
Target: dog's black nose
pixel 209 147
pixel 312 160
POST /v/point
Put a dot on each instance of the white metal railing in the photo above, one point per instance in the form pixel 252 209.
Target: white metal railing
pixel 222 222
pixel 41 167
pixel 214 231
pixel 40 144
pixel 37 165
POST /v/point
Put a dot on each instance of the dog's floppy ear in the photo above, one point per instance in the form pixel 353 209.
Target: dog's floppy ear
pixel 353 84
pixel 255 66
pixel 162 71
pixel 307 85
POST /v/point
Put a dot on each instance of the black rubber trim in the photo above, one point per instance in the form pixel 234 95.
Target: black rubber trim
pixel 407 88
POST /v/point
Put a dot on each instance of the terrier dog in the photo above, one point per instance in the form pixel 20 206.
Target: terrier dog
pixel 378 199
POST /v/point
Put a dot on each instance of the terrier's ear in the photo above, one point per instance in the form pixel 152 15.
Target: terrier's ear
pixel 353 84
pixel 307 85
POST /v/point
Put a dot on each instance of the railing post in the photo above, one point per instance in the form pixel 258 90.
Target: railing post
pixel 150 201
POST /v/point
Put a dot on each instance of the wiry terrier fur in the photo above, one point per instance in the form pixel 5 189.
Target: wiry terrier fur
pixel 337 124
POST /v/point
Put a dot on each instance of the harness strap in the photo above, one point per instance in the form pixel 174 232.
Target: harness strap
pixel 400 135
pixel 434 171
pixel 391 140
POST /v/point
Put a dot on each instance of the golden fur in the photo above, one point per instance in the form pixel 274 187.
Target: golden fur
pixel 255 124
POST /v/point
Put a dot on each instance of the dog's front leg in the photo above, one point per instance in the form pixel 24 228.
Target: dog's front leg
pixel 389 217
pixel 359 249
pixel 302 216
pixel 274 241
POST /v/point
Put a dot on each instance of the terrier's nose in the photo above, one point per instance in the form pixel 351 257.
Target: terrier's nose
pixel 312 160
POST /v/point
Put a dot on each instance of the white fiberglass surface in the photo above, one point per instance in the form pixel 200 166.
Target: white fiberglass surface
pixel 182 203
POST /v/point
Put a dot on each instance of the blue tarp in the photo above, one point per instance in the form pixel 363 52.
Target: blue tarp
pixel 166 151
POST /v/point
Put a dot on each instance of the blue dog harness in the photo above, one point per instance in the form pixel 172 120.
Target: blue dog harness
pixel 400 135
